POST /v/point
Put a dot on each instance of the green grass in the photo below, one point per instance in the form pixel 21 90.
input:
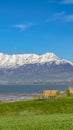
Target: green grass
pixel 37 122
pixel 62 105
pixel 37 115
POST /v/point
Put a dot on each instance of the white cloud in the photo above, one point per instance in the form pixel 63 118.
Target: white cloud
pixel 56 17
pixel 61 1
pixel 22 27
pixel 69 18
pixel 61 17
pixel 67 2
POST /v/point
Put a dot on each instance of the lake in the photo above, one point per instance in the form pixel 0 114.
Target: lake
pixel 29 89
pixel 25 89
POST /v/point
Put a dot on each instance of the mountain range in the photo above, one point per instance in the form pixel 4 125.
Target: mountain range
pixel 32 67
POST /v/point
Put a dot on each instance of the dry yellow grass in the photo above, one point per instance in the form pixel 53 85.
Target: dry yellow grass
pixel 50 93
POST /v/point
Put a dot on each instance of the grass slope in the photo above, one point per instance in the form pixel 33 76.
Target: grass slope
pixel 37 115
pixel 63 105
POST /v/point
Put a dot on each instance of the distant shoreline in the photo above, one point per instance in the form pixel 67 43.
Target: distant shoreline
pixel 38 83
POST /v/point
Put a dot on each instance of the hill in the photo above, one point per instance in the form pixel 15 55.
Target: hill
pixel 37 115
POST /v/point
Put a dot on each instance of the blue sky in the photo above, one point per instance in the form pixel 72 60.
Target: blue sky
pixel 37 26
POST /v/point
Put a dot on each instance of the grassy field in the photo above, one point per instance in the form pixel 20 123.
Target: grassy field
pixel 37 122
pixel 37 115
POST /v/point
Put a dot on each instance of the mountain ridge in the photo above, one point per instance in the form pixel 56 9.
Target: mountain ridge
pixel 32 67
pixel 16 60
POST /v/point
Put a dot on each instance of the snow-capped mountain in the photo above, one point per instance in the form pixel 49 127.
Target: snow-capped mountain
pixel 32 67
pixel 22 59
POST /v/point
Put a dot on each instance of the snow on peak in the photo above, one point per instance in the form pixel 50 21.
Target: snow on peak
pixel 49 56
pixel 21 59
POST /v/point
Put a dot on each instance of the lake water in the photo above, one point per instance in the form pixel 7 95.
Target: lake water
pixel 29 89
pixel 26 89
